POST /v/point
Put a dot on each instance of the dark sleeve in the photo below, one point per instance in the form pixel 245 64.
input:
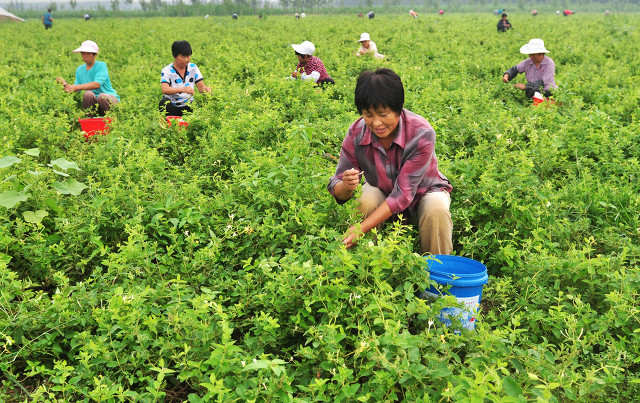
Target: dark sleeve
pixel 512 72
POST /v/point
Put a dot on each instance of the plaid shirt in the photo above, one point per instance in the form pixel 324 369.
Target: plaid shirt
pixel 314 64
pixel 404 172
pixel 546 72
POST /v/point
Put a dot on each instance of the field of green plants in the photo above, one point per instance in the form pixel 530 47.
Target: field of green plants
pixel 205 264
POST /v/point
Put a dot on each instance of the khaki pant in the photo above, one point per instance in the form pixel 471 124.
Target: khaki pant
pixel 433 220
pixel 104 102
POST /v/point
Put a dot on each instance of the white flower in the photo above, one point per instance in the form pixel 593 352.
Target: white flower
pixel 255 360
pixel 243 363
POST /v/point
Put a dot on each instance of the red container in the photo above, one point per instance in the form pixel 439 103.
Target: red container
pixel 181 122
pixel 93 126
pixel 546 101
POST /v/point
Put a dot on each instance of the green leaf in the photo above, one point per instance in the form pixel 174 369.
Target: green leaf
pixel 71 186
pixel 64 164
pixel 34 217
pixel 51 203
pixel 10 198
pixel 36 173
pixel 8 161
pixel 34 152
pixel 61 173
pixel 259 364
pixel 511 387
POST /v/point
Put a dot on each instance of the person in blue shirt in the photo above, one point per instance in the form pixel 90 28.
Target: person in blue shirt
pixel 93 78
pixel 47 19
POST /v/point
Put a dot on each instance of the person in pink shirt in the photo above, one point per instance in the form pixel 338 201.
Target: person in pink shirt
pixel 393 150
pixel 539 70
pixel 310 67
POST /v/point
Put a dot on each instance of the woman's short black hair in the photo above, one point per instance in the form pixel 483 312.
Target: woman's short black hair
pixel 181 48
pixel 379 89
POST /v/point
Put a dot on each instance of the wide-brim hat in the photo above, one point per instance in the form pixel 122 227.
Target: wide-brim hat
pixel 304 48
pixel 87 46
pixel 534 46
pixel 364 37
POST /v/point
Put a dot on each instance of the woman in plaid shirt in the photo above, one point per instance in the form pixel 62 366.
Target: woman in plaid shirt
pixel 310 67
pixel 394 149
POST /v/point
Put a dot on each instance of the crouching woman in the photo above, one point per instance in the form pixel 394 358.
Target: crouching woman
pixel 394 149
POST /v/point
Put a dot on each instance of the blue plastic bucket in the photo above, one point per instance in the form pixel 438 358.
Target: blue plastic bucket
pixel 466 278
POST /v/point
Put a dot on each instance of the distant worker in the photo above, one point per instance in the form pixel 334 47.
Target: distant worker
pixel 179 81
pixel 607 13
pixel 534 12
pixel 371 14
pixel 441 12
pixel 567 13
pixel 302 15
pixel 360 15
pixel 309 67
pixel 367 46
pixel 47 19
pixel 539 69
pixel 86 17
pixel 504 24
pixel 93 78
pixel 413 14
pixel 297 16
pixel 234 16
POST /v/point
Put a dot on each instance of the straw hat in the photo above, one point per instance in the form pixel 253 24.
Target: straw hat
pixel 364 37
pixel 87 46
pixel 534 46
pixel 304 48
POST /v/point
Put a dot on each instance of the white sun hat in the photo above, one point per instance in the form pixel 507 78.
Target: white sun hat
pixel 364 37
pixel 304 48
pixel 87 46
pixel 534 46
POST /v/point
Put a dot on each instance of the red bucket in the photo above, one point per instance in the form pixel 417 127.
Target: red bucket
pixel 93 126
pixel 181 122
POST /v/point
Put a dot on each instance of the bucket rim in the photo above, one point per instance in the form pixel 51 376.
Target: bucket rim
pixel 478 277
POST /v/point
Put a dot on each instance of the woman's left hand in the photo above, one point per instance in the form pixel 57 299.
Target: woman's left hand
pixel 351 236
pixel 519 86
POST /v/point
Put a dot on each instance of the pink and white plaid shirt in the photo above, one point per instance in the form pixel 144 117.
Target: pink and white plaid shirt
pixel 314 64
pixel 546 72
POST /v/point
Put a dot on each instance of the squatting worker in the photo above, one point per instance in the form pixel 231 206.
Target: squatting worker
pixel 93 78
pixel 309 67
pixel 395 150
pixel 504 24
pixel 179 81
pixel 539 69
pixel 367 46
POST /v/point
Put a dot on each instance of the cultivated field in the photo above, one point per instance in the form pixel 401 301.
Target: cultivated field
pixel 204 264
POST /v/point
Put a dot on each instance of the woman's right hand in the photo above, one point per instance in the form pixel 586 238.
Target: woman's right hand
pixel 351 178
pixel 188 90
